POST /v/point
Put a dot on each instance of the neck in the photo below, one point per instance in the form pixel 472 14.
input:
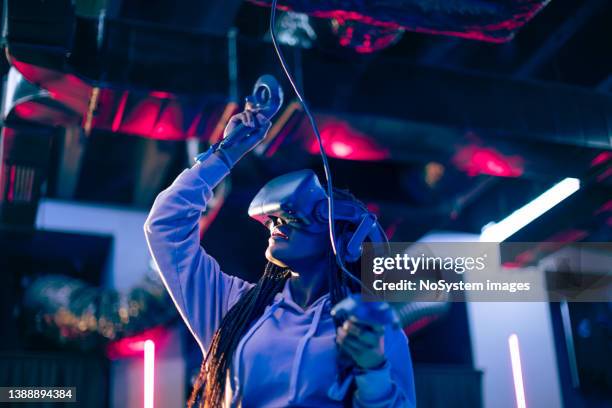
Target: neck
pixel 310 284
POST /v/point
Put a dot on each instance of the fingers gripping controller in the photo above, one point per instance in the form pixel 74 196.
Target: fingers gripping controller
pixel 247 129
pixel 372 313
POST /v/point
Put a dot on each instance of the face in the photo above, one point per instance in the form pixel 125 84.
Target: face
pixel 293 247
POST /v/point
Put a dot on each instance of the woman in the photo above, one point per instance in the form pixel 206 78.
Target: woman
pixel 273 343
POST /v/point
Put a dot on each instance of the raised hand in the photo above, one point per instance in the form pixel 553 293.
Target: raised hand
pixel 243 132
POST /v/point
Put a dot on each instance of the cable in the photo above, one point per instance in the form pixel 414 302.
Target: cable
pixel 328 176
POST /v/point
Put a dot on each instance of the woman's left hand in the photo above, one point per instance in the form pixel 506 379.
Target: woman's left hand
pixel 363 342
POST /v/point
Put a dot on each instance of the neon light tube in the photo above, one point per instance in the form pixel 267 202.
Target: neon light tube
pixel 498 232
pixel 517 371
pixel 149 373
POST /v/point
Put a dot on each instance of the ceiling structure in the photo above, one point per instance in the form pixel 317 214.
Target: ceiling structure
pixel 105 101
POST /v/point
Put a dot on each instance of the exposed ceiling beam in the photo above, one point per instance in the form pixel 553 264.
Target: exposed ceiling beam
pixel 487 105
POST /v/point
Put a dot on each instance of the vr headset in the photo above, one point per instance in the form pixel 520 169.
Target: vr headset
pixel 300 200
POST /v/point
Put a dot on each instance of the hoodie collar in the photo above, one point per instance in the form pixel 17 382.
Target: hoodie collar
pixel 285 297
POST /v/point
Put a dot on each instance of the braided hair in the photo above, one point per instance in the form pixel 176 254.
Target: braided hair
pixel 209 387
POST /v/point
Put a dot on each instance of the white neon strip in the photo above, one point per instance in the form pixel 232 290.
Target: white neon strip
pixel 569 342
pixel 498 232
pixel 517 371
pixel 149 373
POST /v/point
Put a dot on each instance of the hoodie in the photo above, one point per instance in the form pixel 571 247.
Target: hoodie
pixel 287 358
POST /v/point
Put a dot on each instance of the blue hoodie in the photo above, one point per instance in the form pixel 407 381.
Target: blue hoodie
pixel 288 356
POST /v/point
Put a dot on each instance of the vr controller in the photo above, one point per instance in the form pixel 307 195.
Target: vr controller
pixel 374 313
pixel 266 98
pixel 299 199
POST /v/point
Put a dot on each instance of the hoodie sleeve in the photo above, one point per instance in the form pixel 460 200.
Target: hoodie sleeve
pixel 391 386
pixel 200 290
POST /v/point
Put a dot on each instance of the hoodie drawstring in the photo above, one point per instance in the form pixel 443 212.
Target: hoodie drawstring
pixel 300 352
pixel 240 348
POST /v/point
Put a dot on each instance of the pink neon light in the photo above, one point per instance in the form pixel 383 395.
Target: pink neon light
pixel 149 373
pixel 120 111
pixel 475 160
pixel 343 142
pixel 601 158
pixel 341 149
pixel 517 371
pixel 134 346
pixel 11 192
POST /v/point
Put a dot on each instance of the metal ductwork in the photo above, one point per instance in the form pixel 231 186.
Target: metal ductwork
pixel 531 111
pixel 114 76
pixel 153 79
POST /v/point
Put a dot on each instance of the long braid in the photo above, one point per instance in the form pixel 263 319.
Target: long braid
pixel 209 387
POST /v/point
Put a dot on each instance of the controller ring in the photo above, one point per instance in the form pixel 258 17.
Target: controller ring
pixel 267 96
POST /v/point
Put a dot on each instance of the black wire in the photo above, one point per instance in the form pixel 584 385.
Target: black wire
pixel 326 167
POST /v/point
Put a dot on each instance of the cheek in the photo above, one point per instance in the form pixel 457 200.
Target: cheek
pixel 309 245
pixel 299 246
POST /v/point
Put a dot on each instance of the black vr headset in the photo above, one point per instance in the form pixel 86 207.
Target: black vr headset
pixel 300 200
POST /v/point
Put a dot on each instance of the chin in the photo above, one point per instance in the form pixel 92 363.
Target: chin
pixel 270 256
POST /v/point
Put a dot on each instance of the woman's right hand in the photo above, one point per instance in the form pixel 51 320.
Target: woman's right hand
pixel 243 132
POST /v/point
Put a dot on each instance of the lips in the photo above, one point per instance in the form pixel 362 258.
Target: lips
pixel 276 232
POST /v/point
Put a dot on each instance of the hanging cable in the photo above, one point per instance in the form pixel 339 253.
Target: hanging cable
pixel 326 167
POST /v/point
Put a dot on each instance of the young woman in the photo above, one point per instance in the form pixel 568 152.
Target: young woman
pixel 273 343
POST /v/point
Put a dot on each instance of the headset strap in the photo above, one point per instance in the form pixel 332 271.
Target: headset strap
pixel 367 225
pixel 343 210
